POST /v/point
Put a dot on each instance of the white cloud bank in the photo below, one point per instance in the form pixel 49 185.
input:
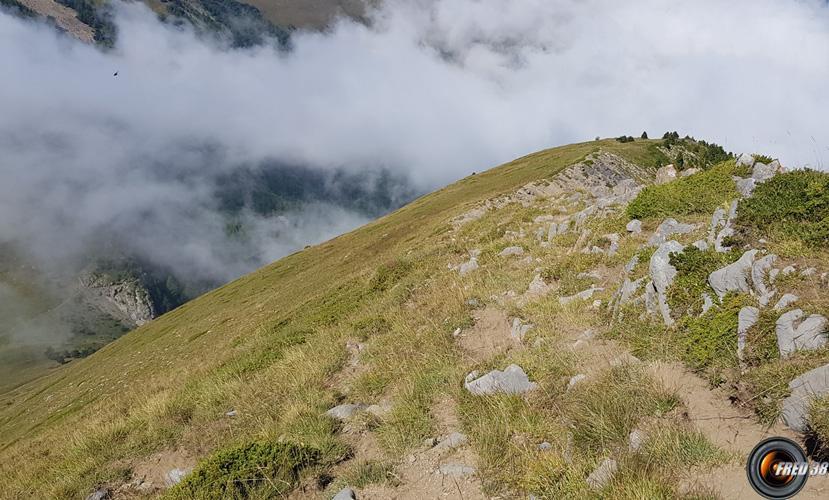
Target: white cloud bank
pixel 435 89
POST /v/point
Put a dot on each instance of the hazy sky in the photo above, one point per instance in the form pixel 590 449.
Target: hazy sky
pixel 434 89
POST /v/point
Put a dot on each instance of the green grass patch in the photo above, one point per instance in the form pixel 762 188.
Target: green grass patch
pixel 793 205
pixel 260 468
pixel 693 267
pixel 710 341
pixel 695 194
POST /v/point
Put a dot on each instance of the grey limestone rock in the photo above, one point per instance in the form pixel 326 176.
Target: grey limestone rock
pixel 602 475
pixel 345 494
pixel 345 411
pixel 804 389
pixel 733 277
pixel 512 380
pixel 795 333
pixel 634 226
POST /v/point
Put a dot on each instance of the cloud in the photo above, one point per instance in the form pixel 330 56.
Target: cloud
pixel 429 89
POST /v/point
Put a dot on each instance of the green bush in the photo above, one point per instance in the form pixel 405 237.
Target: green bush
pixel 693 267
pixel 695 194
pixel 794 205
pixel 263 468
pixel 389 274
pixel 710 341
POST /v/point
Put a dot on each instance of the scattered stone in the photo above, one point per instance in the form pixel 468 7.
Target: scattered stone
pixel 746 318
pixel 665 174
pixel 707 302
pixel 575 379
pixel 511 251
pixel 231 413
pixel 544 218
pixel 700 245
pixel 746 186
pixel 456 470
pixel 807 335
pixel 688 172
pixel 545 446
pixel 538 286
pixel 636 440
pixel 175 476
pixel 733 277
pixel 345 494
pixel 745 159
pixel 785 301
pixel 99 494
pixel 759 270
pixel 452 441
pixel 632 263
pixel 469 266
pixel 519 329
pixel 472 302
pixel 810 385
pixel 669 227
pixel 634 226
pixel 662 274
pixel 809 271
pixel 787 270
pixel 583 295
pixel 345 411
pixel 602 474
pixel 457 332
pixel 512 380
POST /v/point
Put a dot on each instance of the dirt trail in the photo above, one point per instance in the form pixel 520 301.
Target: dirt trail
pixel 730 428
pixel 420 473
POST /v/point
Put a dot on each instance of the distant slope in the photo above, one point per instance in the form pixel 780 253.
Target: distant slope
pixel 170 382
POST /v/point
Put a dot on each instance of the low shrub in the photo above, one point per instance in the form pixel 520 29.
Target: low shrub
pixel 710 341
pixel 263 468
pixel 695 194
pixel 693 267
pixel 793 205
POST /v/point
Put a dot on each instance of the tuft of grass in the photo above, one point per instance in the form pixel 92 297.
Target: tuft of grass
pixel 390 274
pixel 696 194
pixel 819 423
pixel 263 468
pixel 367 473
pixel 604 411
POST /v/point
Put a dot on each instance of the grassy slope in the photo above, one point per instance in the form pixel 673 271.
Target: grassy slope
pixel 170 381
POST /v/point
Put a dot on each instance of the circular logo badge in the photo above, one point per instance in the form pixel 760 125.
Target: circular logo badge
pixel 777 468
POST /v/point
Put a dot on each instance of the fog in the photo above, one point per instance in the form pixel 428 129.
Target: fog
pixel 429 90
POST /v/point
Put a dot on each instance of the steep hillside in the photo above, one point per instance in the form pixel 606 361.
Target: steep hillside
pixel 514 333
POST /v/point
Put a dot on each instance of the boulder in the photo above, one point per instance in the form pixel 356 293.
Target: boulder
pixel 812 384
pixel 99 494
pixel 602 475
pixel 701 245
pixel 583 295
pixel 345 411
pixel 175 476
pixel 746 160
pixel 538 287
pixel 762 172
pixel 759 270
pixel 746 318
pixel 785 301
pixel 688 172
pixel 794 334
pixel 669 227
pixel 512 380
pixel 746 186
pixel 787 270
pixel 665 174
pixel 512 251
pixel 662 274
pixel 636 440
pixel 468 267
pixel 733 277
pixel 634 226
pixel 345 494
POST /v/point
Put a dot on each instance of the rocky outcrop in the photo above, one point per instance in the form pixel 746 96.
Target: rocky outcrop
pixel 796 334
pixel 804 389
pixel 126 300
pixel 634 226
pixel 512 380
pixel 662 274
pixel 733 277
pixel 665 174
pixel 759 271
pixel 516 250
pixel 345 411
pixel 746 318
pixel 668 228
pixel 785 301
